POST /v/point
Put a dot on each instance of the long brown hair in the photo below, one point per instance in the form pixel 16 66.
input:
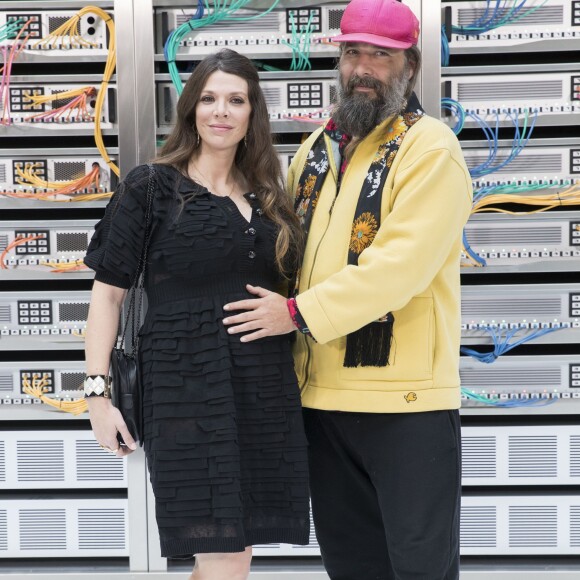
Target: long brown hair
pixel 255 158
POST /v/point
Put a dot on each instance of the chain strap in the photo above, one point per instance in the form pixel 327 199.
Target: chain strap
pixel 134 311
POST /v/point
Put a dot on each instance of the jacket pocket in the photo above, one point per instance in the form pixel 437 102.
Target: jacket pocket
pixel 412 349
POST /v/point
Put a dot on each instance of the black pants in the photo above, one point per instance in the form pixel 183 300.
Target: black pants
pixel 386 493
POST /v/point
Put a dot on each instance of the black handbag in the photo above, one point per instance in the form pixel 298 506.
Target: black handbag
pixel 126 389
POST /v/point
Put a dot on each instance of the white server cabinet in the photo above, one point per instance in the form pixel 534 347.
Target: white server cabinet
pixel 556 165
pixel 62 380
pixel 520 525
pixel 257 34
pixel 538 26
pixel 522 377
pixel 548 241
pixel 43 320
pixel 552 95
pixel 520 455
pixel 527 307
pixel 41 249
pixel 63 527
pixel 55 459
pixel 89 36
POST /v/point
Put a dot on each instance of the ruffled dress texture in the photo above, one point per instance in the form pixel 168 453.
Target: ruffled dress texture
pixel 224 438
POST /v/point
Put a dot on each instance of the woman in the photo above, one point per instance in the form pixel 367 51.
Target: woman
pixel 223 430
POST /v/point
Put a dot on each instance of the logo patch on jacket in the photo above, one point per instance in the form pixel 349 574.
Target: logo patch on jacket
pixel 410 397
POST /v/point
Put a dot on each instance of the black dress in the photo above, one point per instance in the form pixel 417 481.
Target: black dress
pixel 224 438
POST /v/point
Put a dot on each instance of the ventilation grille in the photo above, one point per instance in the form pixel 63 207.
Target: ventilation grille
pixel 5 313
pixel 333 94
pixel 575 456
pixel 68 170
pixel 2 461
pixel 3 242
pixel 511 307
pixel 493 90
pixel 6 383
pixel 102 529
pixel 512 377
pixel 42 529
pixel 533 456
pixel 533 526
pixel 273 96
pixel 479 236
pixel 334 18
pixel 533 164
pixel 265 23
pixel 479 456
pixel 57 103
pixel 478 526
pixel 574 526
pixel 93 464
pixel 3 531
pixel 541 16
pixel 72 242
pixel 71 381
pixel 73 311
pixel 2 173
pixel 55 22
pixel 40 460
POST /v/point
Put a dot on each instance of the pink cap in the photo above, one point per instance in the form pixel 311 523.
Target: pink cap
pixel 386 23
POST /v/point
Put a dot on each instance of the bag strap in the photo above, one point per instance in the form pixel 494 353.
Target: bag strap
pixel 134 310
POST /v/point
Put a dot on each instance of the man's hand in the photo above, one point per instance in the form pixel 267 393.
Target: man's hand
pixel 267 315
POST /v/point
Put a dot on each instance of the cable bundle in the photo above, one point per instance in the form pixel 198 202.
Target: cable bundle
pixel 39 387
pixel 504 12
pixel 501 342
pixel 66 190
pixel 68 31
pixel 222 10
pixel 78 102
pixel 9 54
pixel 300 44
pixel 487 198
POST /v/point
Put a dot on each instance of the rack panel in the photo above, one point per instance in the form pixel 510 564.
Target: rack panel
pixel 58 460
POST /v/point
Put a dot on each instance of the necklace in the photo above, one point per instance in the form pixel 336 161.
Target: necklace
pixel 206 182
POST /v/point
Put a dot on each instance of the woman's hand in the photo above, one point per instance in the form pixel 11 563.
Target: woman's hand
pixel 106 422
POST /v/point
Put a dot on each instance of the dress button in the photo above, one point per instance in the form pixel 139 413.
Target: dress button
pixel 251 231
pixel 252 196
pixel 259 211
pixel 251 254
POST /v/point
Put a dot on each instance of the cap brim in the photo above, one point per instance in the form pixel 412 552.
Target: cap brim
pixel 374 39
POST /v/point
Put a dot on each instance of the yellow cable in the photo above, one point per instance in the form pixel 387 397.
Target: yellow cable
pixel 69 29
pixel 38 389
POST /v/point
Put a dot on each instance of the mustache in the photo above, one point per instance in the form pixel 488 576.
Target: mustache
pixel 365 82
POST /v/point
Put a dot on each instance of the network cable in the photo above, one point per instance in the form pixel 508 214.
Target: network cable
pixel 507 403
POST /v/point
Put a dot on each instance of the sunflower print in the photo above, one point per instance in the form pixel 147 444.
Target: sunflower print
pixel 309 186
pixel 364 230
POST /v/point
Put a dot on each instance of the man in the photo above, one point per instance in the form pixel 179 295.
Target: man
pixel 383 193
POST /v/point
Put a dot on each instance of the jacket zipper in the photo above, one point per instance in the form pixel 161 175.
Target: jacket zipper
pixel 308 355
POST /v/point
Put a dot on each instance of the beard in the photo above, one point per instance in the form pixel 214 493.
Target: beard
pixel 357 113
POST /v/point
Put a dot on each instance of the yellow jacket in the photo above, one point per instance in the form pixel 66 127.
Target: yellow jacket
pixel 411 269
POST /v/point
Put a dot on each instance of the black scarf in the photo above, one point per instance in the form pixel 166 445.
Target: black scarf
pixel 371 344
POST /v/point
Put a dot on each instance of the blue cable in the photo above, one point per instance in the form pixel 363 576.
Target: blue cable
pixel 501 345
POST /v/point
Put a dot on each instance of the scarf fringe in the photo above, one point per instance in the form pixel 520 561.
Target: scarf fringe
pixel 370 346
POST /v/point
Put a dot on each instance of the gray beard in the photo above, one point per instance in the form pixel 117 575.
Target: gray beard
pixel 358 114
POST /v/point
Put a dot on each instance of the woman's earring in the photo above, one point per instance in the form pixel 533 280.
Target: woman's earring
pixel 246 139
pixel 198 139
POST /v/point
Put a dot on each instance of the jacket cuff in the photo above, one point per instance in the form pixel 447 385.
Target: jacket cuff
pixel 315 317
